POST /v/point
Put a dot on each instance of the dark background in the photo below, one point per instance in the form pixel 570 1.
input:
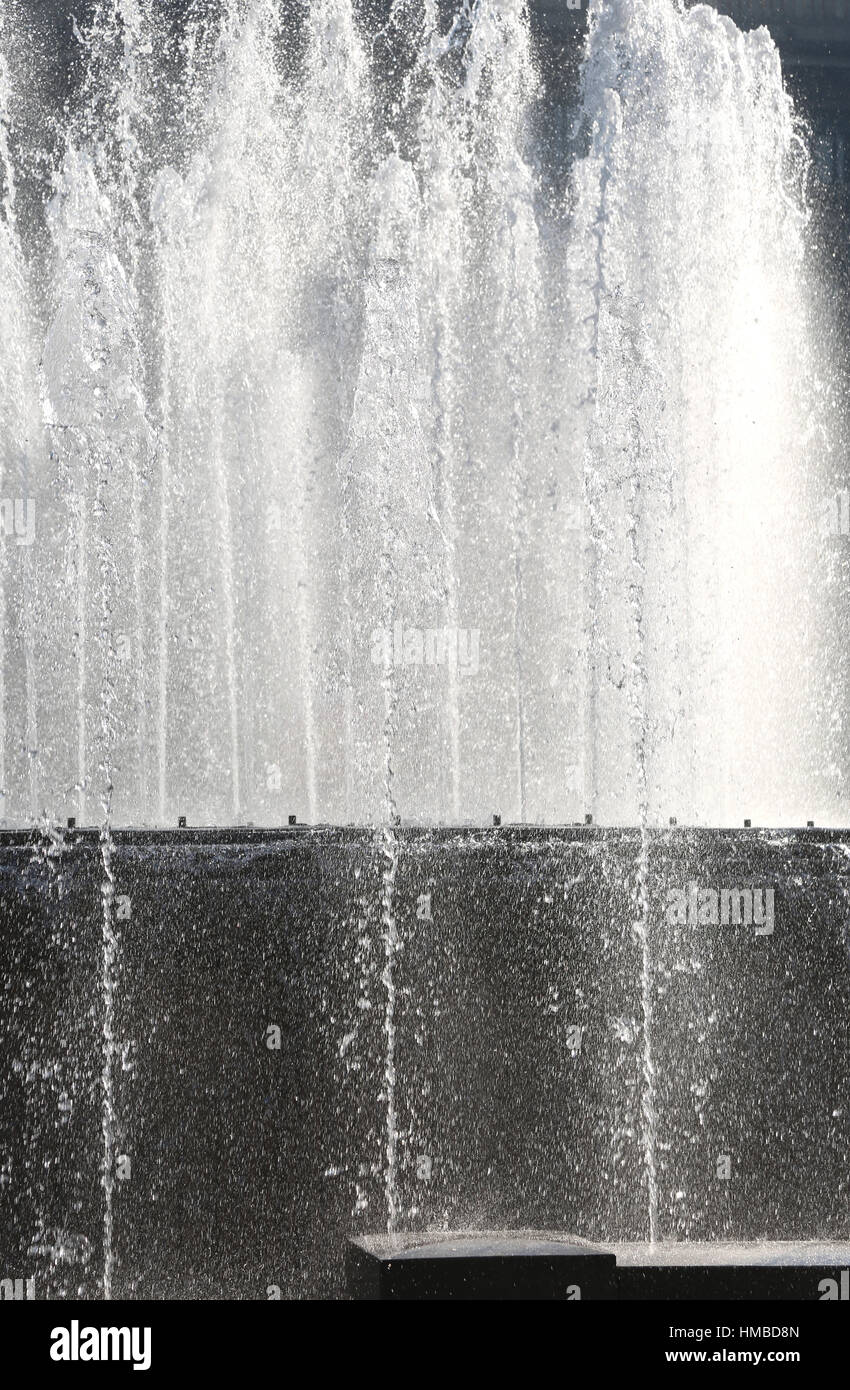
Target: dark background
pixel 252 1166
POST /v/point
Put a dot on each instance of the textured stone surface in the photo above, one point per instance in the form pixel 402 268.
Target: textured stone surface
pixel 518 1049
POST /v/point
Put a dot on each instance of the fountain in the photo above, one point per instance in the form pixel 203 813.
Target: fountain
pixel 255 317
pixel 385 473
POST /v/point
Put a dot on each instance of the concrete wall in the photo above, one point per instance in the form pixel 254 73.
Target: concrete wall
pixel 250 1165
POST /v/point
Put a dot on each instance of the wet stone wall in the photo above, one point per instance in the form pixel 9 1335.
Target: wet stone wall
pixel 315 1032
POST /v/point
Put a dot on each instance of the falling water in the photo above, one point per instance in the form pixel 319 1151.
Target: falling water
pixel 391 944
pixel 441 156
pixel 691 211
pixel 20 438
pixel 108 972
pixel 375 479
pixel 11 271
pixel 106 744
pixel 691 219
pixel 313 321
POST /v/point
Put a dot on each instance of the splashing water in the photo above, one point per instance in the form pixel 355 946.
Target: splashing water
pixel 366 471
pixel 373 480
pixel 691 228
pixel 688 246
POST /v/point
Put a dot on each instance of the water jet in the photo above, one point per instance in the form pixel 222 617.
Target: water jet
pixel 400 439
